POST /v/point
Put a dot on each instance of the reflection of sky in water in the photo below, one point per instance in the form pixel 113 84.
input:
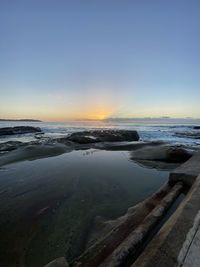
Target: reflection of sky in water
pixel 82 170
pixel 65 194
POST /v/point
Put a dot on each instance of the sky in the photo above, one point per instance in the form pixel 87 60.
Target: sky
pixel 96 59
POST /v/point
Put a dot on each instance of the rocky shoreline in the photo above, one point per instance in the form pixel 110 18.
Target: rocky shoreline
pixel 19 130
pixel 150 154
pixel 158 155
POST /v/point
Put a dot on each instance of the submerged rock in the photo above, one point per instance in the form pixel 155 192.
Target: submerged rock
pixel 33 152
pixel 19 130
pixel 103 136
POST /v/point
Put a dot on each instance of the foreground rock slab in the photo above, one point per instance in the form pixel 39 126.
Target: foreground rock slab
pixel 19 130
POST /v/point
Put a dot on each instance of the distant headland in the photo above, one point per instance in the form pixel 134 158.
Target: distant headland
pixel 28 120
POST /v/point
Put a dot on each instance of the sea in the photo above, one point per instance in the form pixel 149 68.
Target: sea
pixel 162 129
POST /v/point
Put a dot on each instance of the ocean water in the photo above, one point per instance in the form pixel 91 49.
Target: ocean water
pixel 148 129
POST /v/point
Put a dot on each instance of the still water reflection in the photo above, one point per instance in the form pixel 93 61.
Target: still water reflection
pixel 48 206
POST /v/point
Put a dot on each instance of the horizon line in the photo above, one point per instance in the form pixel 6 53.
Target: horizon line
pixel 105 119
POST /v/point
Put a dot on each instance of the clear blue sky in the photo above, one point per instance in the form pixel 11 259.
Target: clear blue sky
pixel 76 59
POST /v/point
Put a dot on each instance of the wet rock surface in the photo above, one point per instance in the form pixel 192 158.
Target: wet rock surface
pixel 33 152
pixel 103 136
pixel 19 130
pixel 165 153
pixel 153 154
pixel 10 145
pixel 178 154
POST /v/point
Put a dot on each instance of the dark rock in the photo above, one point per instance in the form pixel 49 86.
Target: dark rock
pixel 165 153
pixel 194 135
pixel 158 165
pixel 10 145
pixel 196 127
pixel 178 154
pixel 19 130
pixel 103 136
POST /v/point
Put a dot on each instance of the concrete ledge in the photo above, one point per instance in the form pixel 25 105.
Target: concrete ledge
pixel 165 247
pixel 189 254
pixel 187 172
